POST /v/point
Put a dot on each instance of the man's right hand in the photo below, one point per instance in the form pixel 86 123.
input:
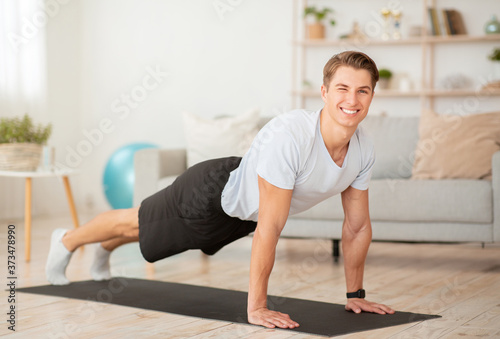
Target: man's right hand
pixel 270 319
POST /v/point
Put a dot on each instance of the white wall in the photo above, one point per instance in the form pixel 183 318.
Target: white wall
pixel 208 62
pixel 100 51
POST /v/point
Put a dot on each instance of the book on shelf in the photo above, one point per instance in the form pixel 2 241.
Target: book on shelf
pixel 446 22
pixel 455 22
pixel 450 22
pixel 434 21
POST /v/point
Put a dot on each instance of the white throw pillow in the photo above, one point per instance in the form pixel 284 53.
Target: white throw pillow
pixel 219 137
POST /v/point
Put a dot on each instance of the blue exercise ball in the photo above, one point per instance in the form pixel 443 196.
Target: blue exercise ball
pixel 118 179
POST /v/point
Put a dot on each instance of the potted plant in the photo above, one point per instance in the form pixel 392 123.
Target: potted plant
pixel 316 30
pixel 495 59
pixel 21 143
pixel 385 76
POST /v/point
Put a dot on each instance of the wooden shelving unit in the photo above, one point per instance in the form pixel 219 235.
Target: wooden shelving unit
pixel 427 43
pixel 409 41
pixel 415 93
pixel 460 38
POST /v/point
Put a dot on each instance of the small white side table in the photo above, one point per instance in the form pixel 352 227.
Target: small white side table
pixel 27 199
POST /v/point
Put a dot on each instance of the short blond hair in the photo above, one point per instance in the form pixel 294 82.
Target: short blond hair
pixel 354 59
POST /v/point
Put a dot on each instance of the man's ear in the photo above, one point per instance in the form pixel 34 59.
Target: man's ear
pixel 324 92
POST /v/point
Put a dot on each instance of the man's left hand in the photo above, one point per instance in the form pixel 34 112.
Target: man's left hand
pixel 358 305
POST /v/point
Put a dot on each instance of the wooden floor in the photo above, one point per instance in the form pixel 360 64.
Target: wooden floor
pixel 460 282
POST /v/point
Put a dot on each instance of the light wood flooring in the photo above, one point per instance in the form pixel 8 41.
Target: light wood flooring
pixel 460 282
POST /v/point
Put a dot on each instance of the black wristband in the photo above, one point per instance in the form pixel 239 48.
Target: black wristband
pixel 358 294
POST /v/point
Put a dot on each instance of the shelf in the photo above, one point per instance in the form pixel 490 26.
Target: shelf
pixel 378 93
pixel 395 93
pixel 409 41
pixel 462 92
pixel 461 38
pixel 428 47
pixel 350 42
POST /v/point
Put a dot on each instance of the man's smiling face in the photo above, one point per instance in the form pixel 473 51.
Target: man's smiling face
pixel 348 96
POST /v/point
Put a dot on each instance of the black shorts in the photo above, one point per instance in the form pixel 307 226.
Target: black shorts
pixel 188 214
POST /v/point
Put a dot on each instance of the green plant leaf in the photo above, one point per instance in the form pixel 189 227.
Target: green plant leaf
pixel 17 130
pixel 495 55
pixel 319 15
pixel 384 73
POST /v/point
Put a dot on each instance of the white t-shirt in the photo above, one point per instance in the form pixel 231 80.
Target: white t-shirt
pixel 289 152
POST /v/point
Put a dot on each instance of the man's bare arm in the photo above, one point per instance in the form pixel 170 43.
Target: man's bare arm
pixel 274 206
pixel 356 238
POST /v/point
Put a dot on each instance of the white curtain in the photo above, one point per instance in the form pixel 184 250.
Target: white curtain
pixel 23 80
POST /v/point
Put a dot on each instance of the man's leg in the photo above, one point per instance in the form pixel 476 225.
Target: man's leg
pixel 106 226
pixel 112 244
pixel 100 269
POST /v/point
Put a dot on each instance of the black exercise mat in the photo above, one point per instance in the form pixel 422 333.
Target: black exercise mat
pixel 212 303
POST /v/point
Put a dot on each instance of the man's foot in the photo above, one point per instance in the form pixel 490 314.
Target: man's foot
pixel 59 256
pixel 100 269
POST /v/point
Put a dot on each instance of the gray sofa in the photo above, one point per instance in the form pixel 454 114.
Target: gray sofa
pixel 401 209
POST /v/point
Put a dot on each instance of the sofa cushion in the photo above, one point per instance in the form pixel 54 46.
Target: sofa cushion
pixel 419 201
pixel 431 200
pixel 329 209
pixel 395 140
pixel 220 137
pixel 454 146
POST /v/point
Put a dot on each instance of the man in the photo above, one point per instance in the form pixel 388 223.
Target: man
pixel 297 160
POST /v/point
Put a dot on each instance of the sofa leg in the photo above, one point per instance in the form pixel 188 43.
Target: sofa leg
pixel 336 251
